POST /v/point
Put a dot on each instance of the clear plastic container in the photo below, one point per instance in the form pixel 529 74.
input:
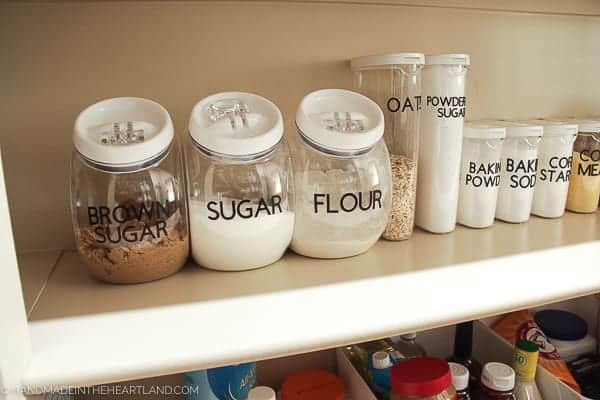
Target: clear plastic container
pixel 519 171
pixel 424 378
pixel 441 138
pixel 240 182
pixel 393 81
pixel 480 174
pixel 127 192
pixel 584 186
pixel 555 160
pixel 342 173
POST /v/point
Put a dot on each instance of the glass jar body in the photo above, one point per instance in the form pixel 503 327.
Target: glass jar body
pixel 479 182
pixel 397 91
pixel 343 202
pixel 584 186
pixel 486 393
pixel 241 211
pixel 448 394
pixel 518 179
pixel 555 161
pixel 130 227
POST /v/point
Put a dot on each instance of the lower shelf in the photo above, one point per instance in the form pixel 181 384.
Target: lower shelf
pixel 84 332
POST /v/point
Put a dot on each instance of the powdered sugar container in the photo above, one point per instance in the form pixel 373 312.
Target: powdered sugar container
pixel 342 174
pixel 393 81
pixel 127 191
pixel 240 182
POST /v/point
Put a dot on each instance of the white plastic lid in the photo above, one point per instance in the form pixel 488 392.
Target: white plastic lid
pixel 481 130
pixel 517 129
pixel 381 360
pixel 460 376
pixel 122 132
pixel 261 393
pixel 498 376
pixel 339 120
pixel 447 59
pixel 554 128
pixel 383 60
pixel 236 124
pixel 409 336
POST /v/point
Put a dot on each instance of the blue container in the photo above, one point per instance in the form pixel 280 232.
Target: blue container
pixel 225 383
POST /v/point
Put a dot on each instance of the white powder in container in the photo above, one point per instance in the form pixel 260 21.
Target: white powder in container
pixel 240 243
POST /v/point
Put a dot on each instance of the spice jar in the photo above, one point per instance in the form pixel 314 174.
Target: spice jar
pixel 555 156
pixel 393 81
pixel 584 187
pixel 240 182
pixel 497 382
pixel 519 171
pixel 424 378
pixel 480 174
pixel 127 194
pixel 441 138
pixel 342 173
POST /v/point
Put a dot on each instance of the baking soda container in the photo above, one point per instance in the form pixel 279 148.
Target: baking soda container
pixel 393 81
pixel 127 192
pixel 441 138
pixel 519 171
pixel 480 174
pixel 342 173
pixel 584 187
pixel 240 182
pixel 555 156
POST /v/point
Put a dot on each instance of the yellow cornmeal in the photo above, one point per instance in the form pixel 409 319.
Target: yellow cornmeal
pixel 584 190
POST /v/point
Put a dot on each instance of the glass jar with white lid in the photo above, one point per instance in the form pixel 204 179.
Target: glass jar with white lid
pixel 127 191
pixel 342 174
pixel 584 186
pixel 519 171
pixel 240 182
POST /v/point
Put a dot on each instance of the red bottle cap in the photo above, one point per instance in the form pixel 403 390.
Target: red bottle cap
pixel 312 385
pixel 421 377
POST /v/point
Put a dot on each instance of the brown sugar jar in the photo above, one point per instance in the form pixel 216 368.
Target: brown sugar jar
pixel 424 378
pixel 127 192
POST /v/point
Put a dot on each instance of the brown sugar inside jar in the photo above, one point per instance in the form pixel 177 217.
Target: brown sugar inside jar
pixel 127 193
pixel 425 378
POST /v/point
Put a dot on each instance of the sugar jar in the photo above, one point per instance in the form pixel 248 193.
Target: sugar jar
pixel 240 182
pixel 127 192
pixel 342 174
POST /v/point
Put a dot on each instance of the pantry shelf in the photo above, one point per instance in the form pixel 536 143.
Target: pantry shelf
pixel 85 332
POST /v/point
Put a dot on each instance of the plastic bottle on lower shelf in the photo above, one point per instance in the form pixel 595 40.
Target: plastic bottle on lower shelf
pixel 234 381
pixel 407 346
pixel 381 364
pixel 262 393
pixel 525 362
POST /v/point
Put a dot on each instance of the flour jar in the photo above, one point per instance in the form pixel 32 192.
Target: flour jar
pixel 555 156
pixel 240 182
pixel 584 186
pixel 441 137
pixel 342 173
pixel 393 81
pixel 480 174
pixel 519 171
pixel 127 192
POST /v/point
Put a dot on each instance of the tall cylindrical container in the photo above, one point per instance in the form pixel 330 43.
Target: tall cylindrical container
pixel 441 136
pixel 519 171
pixel 393 81
pixel 584 187
pixel 480 174
pixel 555 159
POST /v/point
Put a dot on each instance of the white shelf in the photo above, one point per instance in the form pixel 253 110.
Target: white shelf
pixel 84 332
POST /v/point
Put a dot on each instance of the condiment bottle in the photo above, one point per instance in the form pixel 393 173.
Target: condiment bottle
pixel 463 349
pixel 312 385
pixel 240 182
pixel 460 380
pixel 424 378
pixel 525 364
pixel 393 81
pixel 497 382
pixel 127 191
pixel 342 173
pixel 261 393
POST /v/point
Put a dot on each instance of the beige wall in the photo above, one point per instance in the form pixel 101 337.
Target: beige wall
pixel 57 58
